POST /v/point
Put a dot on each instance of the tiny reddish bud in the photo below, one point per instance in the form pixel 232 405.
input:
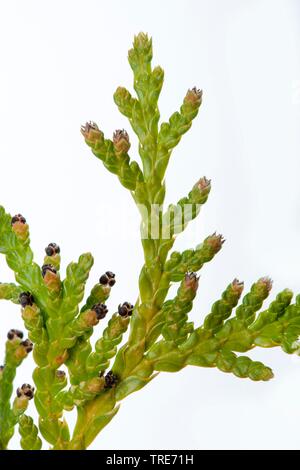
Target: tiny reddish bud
pixel 237 286
pixel 91 132
pixel 121 141
pixel 191 281
pixel 215 242
pixel 264 285
pixel 193 97
pixel 204 184
pixel 267 282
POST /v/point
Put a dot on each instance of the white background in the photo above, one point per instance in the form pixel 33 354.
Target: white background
pixel 60 64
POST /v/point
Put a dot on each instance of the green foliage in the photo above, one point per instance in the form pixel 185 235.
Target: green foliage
pixel 160 337
pixel 16 350
pixel 29 434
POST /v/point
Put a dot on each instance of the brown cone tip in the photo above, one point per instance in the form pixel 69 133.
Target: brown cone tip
pixel 26 298
pixel 91 132
pixel 25 391
pixel 28 345
pixel 18 218
pixel 204 183
pixel 110 379
pixel 191 281
pixel 120 134
pixel 100 310
pixel 193 96
pixel 121 141
pixel 267 282
pixel 89 126
pixel 125 309
pixel 13 334
pixel 215 241
pixel 52 249
pixel 237 285
pixel 48 267
pixel 107 278
pixel 60 374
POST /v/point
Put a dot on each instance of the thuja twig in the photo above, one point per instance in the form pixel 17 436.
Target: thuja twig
pixel 160 336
